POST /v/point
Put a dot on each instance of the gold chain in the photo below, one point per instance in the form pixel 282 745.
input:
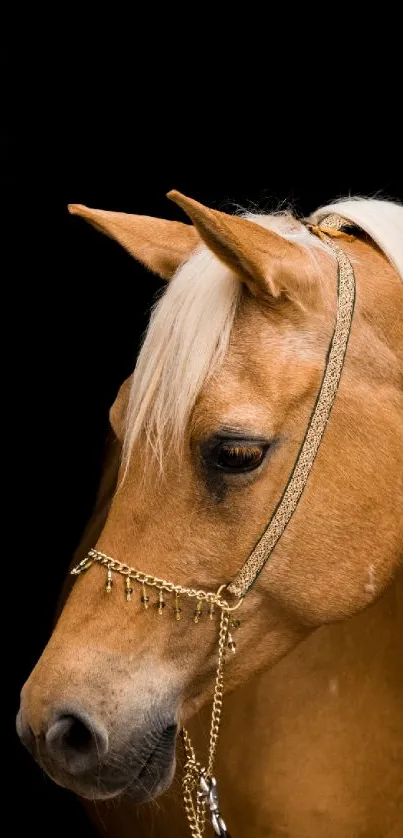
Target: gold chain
pixel 212 597
pixel 195 803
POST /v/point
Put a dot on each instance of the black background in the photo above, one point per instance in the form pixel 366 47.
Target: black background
pixel 77 305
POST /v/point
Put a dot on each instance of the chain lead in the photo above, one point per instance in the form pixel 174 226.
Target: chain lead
pixel 195 802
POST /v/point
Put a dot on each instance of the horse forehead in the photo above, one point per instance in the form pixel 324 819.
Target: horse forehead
pixel 265 353
pixel 251 396
pixel 257 379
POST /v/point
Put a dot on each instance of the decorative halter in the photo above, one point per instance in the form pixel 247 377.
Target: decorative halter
pixel 199 784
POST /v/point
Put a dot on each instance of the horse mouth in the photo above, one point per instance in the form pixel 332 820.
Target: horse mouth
pixel 138 777
pixel 157 770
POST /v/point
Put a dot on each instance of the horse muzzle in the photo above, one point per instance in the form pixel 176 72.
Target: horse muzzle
pixel 78 753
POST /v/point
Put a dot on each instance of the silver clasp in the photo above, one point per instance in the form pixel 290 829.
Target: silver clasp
pixel 208 790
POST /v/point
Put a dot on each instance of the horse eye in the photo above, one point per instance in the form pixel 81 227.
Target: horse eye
pixel 238 457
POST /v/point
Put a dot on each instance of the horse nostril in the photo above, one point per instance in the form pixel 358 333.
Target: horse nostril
pixel 76 743
pixel 77 736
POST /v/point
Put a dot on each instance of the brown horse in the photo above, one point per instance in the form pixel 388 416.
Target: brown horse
pixel 211 423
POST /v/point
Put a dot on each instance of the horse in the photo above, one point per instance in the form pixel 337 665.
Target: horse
pixel 209 433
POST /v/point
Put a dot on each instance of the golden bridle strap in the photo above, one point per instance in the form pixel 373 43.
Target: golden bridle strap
pixel 331 226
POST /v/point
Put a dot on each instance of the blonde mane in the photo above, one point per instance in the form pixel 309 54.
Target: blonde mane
pixel 381 220
pixel 190 326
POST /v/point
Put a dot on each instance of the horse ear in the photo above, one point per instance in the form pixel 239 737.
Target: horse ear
pixel 158 244
pixel 262 258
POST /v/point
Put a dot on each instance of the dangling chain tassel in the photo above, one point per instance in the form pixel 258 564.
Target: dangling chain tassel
pixel 109 581
pixel 144 598
pixel 197 612
pixel 178 610
pixel 129 589
pixel 234 624
pixel 211 611
pixel 161 603
pixel 231 643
